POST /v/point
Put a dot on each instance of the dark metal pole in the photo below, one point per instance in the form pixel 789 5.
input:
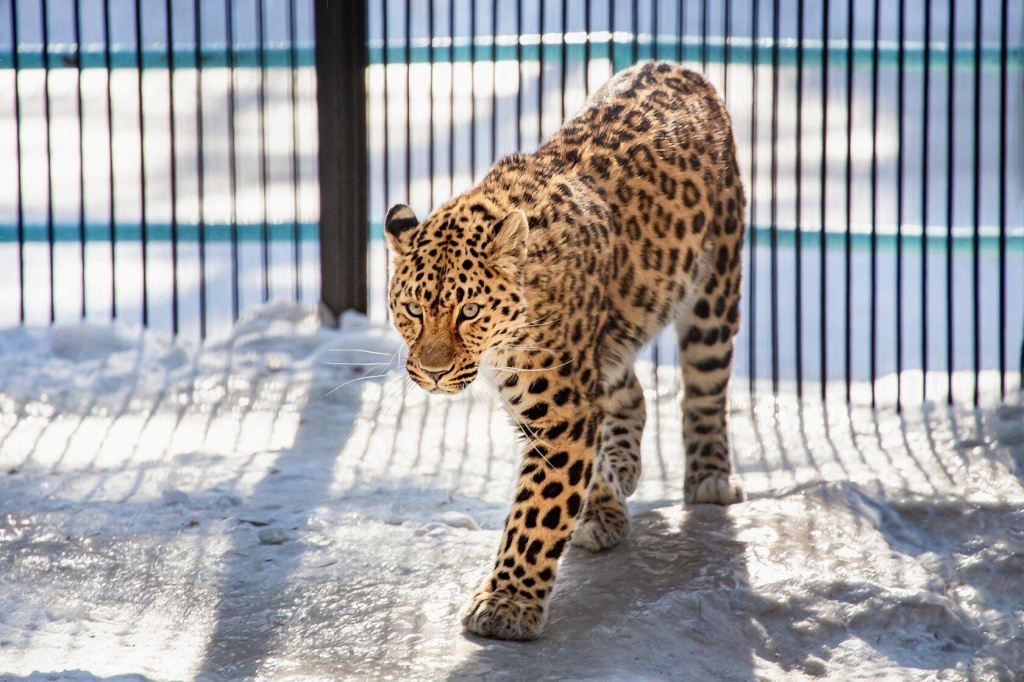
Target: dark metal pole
pixel 296 212
pixel 108 63
pixel 81 149
pixel 197 33
pixel 823 207
pixel 385 156
pixel 18 155
pixel 798 173
pixel 264 172
pixel 175 315
pixel 901 86
pixel 1003 197
pixel 752 203
pixel 872 333
pixel 848 237
pixel 773 180
pixel 976 241
pixel 229 55
pixel 950 180
pixel 144 185
pixel 925 143
pixel 48 147
pixel 341 61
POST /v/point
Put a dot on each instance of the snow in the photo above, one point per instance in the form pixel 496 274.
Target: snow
pixel 170 511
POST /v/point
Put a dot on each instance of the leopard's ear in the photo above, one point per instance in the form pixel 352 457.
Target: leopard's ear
pixel 397 225
pixel 508 243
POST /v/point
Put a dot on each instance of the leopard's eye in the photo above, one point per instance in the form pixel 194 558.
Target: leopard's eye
pixel 415 309
pixel 470 310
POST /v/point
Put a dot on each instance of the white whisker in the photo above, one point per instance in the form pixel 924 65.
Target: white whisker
pixel 362 378
pixel 523 369
pixel 356 364
pixel 526 429
pixel 359 350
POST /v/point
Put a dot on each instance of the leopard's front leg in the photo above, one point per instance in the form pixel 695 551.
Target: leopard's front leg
pixel 556 470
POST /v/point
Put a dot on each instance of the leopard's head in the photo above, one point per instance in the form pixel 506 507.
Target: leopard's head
pixel 456 288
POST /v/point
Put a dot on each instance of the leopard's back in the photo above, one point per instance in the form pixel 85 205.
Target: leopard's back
pixel 656 142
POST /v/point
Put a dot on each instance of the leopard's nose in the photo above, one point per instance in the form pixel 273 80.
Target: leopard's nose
pixel 436 374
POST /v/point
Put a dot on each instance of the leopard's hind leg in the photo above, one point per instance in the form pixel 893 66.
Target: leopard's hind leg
pixel 706 347
pixel 605 519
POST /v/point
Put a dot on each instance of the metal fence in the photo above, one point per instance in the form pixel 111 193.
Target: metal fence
pixel 168 166
pixel 881 145
pixel 161 157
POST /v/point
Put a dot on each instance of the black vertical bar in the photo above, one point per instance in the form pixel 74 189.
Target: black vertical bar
pixel 774 198
pixel 77 26
pixel 563 64
pixel 950 159
pixel 451 96
pixel 472 87
pixel 823 209
pixel 798 229
pixel 174 168
pixel 519 67
pixel 200 163
pixel 341 62
pixel 387 147
pixel 924 197
pixel 848 243
pixel 18 153
pixel 143 186
pixel 873 293
pixel 229 39
pixel 635 26
pixel 540 75
pixel 408 102
pixel 656 355
pixel 293 53
pixel 656 48
pixel 976 243
pixel 494 79
pixel 1003 197
pixel 704 36
pixel 727 49
pixel 681 19
pixel 110 150
pixel 753 197
pixel 49 162
pixel 611 35
pixel 430 106
pixel 587 26
pixel 901 84
pixel 260 100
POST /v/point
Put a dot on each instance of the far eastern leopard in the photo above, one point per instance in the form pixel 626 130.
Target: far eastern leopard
pixel 555 270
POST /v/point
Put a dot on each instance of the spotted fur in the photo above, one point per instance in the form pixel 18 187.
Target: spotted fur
pixel 551 274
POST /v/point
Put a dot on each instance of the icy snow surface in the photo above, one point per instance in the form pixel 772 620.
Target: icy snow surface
pixel 168 512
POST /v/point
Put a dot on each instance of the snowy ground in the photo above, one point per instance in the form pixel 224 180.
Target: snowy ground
pixel 137 478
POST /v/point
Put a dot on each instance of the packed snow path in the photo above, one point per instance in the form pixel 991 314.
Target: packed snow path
pixel 223 513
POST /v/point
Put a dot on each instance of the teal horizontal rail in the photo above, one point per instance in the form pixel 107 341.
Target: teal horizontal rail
pixel 159 232
pixel 66 56
pixel 308 231
pixel 835 238
pixel 741 51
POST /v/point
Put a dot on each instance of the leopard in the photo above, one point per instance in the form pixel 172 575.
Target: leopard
pixel 547 278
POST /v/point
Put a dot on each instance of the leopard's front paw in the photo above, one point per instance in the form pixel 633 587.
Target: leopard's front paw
pixel 502 616
pixel 717 488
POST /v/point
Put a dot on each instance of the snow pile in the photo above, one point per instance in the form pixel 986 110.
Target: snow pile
pixel 273 505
